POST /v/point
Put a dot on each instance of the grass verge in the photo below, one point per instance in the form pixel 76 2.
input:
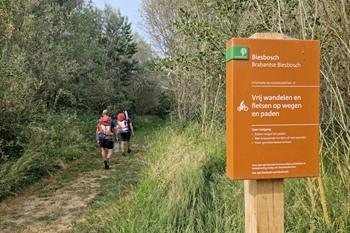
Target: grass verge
pixel 185 189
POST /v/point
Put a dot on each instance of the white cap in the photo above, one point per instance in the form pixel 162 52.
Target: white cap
pixel 104 112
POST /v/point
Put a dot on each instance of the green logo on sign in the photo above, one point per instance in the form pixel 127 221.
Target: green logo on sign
pixel 237 53
pixel 240 53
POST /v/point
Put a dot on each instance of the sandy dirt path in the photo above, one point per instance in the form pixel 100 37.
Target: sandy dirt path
pixel 58 204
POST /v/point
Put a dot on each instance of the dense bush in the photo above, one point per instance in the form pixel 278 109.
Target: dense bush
pixel 49 144
pixel 57 55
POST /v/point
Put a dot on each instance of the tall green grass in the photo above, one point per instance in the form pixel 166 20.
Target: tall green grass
pixel 49 143
pixel 185 189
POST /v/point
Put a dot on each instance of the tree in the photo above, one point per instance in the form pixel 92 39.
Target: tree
pixel 199 29
pixel 59 54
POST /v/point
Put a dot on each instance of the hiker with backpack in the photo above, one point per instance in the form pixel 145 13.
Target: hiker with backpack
pixel 124 130
pixel 104 137
pixel 131 130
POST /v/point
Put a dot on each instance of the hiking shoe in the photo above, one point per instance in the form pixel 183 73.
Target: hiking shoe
pixel 106 164
pixel 123 154
pixel 129 151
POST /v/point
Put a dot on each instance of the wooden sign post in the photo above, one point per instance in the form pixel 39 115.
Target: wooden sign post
pixel 272 115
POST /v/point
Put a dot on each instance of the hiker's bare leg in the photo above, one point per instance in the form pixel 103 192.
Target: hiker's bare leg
pixel 129 146
pixel 122 147
pixel 106 154
pixel 103 153
pixel 119 141
pixel 105 157
pixel 109 153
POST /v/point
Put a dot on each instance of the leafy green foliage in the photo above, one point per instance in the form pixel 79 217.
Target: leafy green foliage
pixel 78 55
pixel 57 55
pixel 199 29
pixel 49 143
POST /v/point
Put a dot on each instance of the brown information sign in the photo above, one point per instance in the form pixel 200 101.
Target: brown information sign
pixel 272 101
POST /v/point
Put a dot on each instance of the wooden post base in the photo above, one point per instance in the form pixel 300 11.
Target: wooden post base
pixel 264 206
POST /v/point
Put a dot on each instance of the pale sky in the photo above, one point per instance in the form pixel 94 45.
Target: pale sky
pixel 129 8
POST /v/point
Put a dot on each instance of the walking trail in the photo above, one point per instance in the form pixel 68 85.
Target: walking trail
pixel 55 204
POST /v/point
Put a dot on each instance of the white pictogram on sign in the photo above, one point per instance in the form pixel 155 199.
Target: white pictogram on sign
pixel 242 107
pixel 244 52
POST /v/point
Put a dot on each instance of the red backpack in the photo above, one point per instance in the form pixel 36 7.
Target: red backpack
pixel 122 124
pixel 104 128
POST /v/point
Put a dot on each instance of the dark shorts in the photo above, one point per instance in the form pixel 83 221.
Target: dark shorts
pixel 106 144
pixel 128 136
pixel 125 137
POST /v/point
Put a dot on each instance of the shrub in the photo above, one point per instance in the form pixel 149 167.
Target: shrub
pixel 50 142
